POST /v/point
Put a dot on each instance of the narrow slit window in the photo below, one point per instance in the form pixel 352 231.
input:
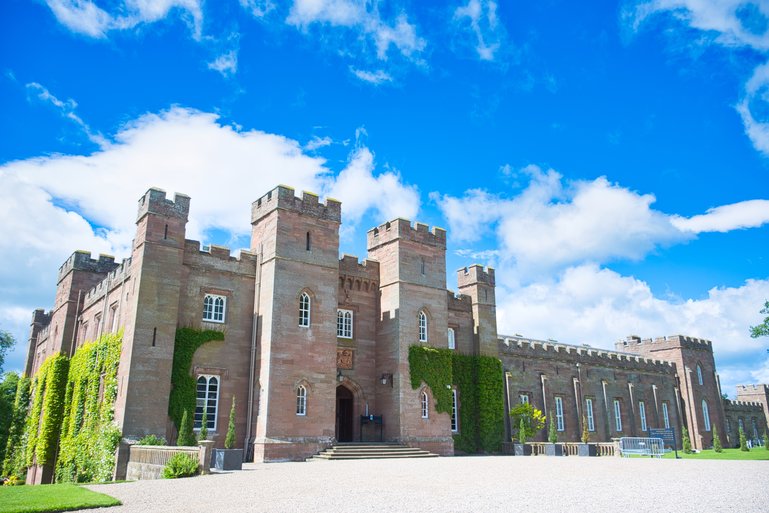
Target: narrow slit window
pixel 617 416
pixel 454 412
pixel 308 242
pixel 665 415
pixel 559 424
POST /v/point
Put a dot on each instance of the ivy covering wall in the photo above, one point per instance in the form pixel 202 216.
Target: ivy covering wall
pixel 44 419
pixel 89 436
pixel 480 387
pixel 14 455
pixel 183 387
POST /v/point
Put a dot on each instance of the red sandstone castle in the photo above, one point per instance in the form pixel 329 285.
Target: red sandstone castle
pixel 314 343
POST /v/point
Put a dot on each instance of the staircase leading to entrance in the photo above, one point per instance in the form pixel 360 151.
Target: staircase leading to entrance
pixel 370 450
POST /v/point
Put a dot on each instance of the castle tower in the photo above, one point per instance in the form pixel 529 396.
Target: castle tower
pixel 755 394
pixel 413 310
pixel 478 283
pixel 151 314
pixel 297 243
pixel 700 387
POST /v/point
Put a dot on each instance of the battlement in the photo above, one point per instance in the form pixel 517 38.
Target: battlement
pixel 154 201
pixel 41 318
pixel 218 257
pixel 461 302
pixel 82 261
pixel 402 229
pixel 112 279
pixel 350 266
pixel 745 404
pixel 474 274
pixel 282 197
pixel 522 346
pixel 633 342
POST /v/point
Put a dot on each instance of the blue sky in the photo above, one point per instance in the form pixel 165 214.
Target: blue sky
pixel 610 160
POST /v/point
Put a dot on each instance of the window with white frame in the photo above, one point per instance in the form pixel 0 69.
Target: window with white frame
pixel 523 398
pixel 559 414
pixel 590 417
pixel 213 308
pixel 301 400
pixel 665 415
pixel 642 414
pixel 454 412
pixel 617 415
pixel 699 374
pixel 705 415
pixel 452 339
pixel 422 326
pixel 207 400
pixel 304 310
pixel 344 323
pixel 113 317
pixel 97 321
pixel 425 406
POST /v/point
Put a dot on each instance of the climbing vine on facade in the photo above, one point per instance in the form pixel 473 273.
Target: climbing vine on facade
pixel 44 419
pixel 183 391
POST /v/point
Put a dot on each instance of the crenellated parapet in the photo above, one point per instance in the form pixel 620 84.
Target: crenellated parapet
pixel 218 258
pixel 356 275
pixel 114 278
pixel 753 389
pixel 402 229
pixel 282 197
pixel 634 342
pixel 474 274
pixel 82 261
pixel 459 302
pixel 567 353
pixel 154 201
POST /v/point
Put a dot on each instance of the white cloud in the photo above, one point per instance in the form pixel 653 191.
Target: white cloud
pixel 226 63
pixel 318 142
pixel 67 109
pixel 50 205
pixel 373 77
pixel 745 214
pixel 480 18
pixel 756 98
pixel 258 8
pixel 362 20
pixel 85 17
pixel 597 306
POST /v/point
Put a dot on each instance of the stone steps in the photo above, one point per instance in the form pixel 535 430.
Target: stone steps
pixel 364 451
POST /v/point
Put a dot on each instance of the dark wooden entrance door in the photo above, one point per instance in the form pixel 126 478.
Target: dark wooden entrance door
pixel 344 424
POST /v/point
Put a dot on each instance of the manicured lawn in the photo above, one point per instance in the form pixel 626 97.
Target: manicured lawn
pixel 758 453
pixel 56 497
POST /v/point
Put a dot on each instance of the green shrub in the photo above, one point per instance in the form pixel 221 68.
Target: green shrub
pixel 153 440
pixel 13 481
pixel 743 441
pixel 186 436
pixel 203 435
pixel 687 444
pixel 180 465
pixel 528 419
pixel 585 432
pixel 552 433
pixel 717 441
pixel 229 440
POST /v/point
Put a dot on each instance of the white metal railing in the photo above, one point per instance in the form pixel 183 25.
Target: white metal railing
pixel 653 447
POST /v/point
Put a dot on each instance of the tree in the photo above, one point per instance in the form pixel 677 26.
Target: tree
pixel 552 433
pixel 762 330
pixel 186 436
pixel 717 441
pixel 203 435
pixel 8 387
pixel 528 419
pixel 585 431
pixel 687 444
pixel 743 441
pixel 6 342
pixel 229 440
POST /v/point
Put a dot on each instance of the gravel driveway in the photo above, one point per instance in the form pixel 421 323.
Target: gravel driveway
pixel 493 483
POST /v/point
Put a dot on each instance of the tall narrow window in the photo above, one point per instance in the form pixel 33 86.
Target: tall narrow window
pixel 301 400
pixel 454 412
pixel 213 308
pixel 304 310
pixel 523 398
pixel 425 406
pixel 344 323
pixel 590 418
pixel 559 414
pixel 665 415
pixel 617 416
pixel 705 415
pixel 97 320
pixel 699 374
pixel 422 326
pixel 452 341
pixel 422 265
pixel 113 317
pixel 642 414
pixel 308 242
pixel 208 400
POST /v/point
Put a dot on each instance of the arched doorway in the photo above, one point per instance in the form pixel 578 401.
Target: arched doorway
pixel 344 423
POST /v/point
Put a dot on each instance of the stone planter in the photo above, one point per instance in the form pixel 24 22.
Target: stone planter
pixel 228 459
pixel 522 449
pixel 554 450
pixel 587 450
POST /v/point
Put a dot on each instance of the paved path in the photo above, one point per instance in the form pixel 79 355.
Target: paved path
pixel 478 484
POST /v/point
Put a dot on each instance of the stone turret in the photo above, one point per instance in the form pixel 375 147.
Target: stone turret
pixel 479 284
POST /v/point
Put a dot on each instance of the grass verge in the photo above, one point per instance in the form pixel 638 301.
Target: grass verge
pixel 56 497
pixel 757 453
